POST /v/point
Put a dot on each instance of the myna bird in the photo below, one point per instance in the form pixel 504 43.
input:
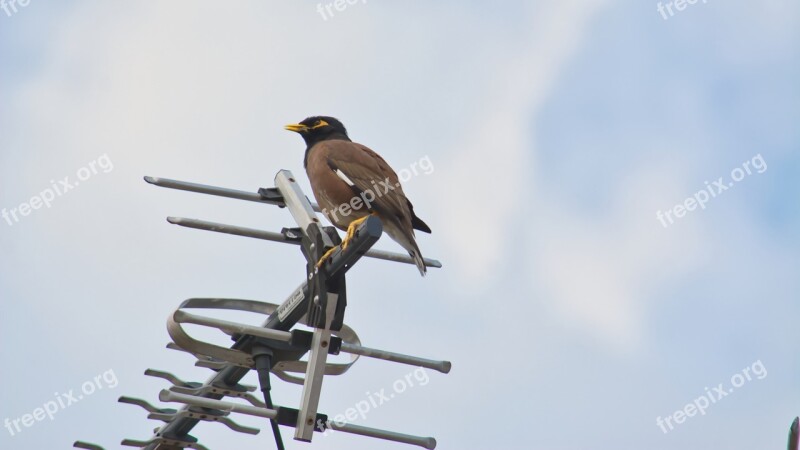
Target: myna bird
pixel 351 182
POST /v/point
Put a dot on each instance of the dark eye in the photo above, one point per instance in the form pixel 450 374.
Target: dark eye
pixel 317 123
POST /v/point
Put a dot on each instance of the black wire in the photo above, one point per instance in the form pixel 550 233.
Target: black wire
pixel 263 362
pixel 275 430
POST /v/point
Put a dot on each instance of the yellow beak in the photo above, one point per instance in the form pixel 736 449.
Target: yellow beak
pixel 296 127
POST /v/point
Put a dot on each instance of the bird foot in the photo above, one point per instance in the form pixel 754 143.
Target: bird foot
pixel 326 256
pixel 349 236
pixel 351 231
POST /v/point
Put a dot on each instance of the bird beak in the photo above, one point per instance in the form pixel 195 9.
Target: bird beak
pixel 296 127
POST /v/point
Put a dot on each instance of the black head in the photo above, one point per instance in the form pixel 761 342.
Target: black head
pixel 319 128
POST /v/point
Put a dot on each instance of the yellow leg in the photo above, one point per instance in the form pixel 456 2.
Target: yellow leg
pixel 326 256
pixel 351 233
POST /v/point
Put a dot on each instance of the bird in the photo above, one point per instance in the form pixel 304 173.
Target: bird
pixel 352 182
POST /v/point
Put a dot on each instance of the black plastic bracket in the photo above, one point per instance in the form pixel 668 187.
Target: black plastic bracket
pixel 273 195
pixel 288 417
pixel 320 283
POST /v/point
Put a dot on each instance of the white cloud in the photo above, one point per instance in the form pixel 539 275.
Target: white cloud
pixel 598 272
pixel 497 149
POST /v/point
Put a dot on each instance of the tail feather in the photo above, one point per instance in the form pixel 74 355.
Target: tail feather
pixel 406 239
pixel 416 222
pixel 410 244
pixel 420 262
pixel 420 225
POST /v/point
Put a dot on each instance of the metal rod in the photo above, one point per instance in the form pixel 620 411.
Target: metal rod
pixel 214 190
pixel 297 202
pixel 278 237
pixel 425 442
pixel 440 366
pixel 86 445
pixel 232 327
pixel 168 396
pixel 312 386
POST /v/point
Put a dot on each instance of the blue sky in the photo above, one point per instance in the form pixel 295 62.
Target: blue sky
pixel 557 130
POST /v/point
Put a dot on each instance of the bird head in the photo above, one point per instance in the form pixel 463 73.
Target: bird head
pixel 319 128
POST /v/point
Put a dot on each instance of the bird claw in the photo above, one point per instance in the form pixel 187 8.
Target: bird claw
pixel 326 256
pixel 350 235
pixel 351 231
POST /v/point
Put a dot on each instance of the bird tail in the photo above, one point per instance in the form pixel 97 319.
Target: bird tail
pixel 418 260
pixel 406 239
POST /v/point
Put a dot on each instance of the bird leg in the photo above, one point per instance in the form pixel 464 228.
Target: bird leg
pixel 326 256
pixel 351 233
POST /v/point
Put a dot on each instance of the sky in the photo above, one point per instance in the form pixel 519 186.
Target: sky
pixel 613 194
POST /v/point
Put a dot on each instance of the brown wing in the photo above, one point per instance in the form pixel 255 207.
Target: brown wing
pixel 416 222
pixel 369 173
